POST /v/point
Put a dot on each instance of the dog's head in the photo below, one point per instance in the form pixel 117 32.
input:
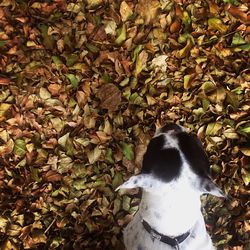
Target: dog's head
pixel 174 154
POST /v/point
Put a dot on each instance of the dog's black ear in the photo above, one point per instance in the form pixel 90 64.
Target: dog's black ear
pixel 140 180
pixel 209 187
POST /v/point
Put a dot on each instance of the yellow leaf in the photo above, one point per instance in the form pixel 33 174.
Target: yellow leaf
pixel 141 62
pixel 3 224
pixel 185 51
pixel 9 246
pixel 14 230
pixel 3 109
pixel 245 151
pixel 216 24
pixel 245 176
pixel 93 3
pixel 213 128
pixel 125 11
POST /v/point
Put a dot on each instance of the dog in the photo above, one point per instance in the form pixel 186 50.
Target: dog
pixel 175 173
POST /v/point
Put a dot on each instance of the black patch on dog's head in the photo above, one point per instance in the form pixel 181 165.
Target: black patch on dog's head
pixel 164 163
pixel 193 151
pixel 170 126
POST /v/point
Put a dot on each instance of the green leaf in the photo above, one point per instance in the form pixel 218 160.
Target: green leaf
pixel 20 147
pixel 186 20
pixel 127 150
pixel 34 174
pixel 117 180
pixel 73 80
pixel 44 29
pixel 234 2
pixel 2 43
pixel 124 82
pixel 92 48
pixel 186 81
pixel 136 99
pixel 56 60
pixel 122 35
pixel 109 155
pixel 106 78
pixel 245 47
pixel 238 40
pixel 246 129
pixel 79 184
pixel 71 60
pixel 205 104
pixel 136 52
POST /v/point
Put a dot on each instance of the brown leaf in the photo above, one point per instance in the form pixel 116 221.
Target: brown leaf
pixel 52 176
pixel 237 13
pixel 81 98
pixel 100 35
pixel 4 81
pixel 175 26
pixel 148 10
pixel 54 88
pixel 7 148
pixel 110 97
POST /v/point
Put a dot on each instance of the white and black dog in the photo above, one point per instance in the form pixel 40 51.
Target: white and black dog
pixel 175 173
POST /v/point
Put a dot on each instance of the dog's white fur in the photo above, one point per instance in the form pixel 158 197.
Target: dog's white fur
pixel 171 208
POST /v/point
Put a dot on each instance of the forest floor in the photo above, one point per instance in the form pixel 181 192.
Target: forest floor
pixel 83 86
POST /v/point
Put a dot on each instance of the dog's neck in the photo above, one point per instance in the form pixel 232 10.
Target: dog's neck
pixel 172 211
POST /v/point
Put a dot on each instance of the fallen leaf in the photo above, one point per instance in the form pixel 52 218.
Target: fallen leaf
pixel 185 51
pixel 4 107
pixel 127 150
pixel 141 62
pixel 245 151
pixel 216 24
pixel 237 13
pixel 148 10
pixel 73 80
pixel 4 81
pixel 245 176
pixel 126 11
pixel 110 97
pixel 213 128
pixel 52 176
pixel 122 35
pixel 20 147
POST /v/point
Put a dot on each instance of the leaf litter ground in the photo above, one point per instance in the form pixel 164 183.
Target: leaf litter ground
pixel 84 85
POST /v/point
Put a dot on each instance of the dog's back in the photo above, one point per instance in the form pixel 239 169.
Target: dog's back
pixel 174 174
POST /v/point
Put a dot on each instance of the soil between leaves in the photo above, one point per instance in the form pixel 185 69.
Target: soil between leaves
pixel 84 85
